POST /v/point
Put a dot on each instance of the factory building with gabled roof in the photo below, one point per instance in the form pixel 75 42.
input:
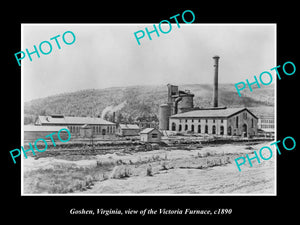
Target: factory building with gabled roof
pixel 179 114
pixel 99 126
pixel 219 121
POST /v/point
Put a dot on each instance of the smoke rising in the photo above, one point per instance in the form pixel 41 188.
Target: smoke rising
pixel 111 109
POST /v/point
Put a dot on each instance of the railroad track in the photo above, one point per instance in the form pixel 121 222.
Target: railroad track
pixel 76 151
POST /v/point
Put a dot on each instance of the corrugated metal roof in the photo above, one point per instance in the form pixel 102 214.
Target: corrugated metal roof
pixel 223 113
pixel 129 126
pixel 43 128
pixel 73 120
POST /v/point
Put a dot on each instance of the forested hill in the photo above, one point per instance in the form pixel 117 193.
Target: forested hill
pixel 140 101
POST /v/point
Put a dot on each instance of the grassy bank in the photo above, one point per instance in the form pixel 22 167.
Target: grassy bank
pixel 69 177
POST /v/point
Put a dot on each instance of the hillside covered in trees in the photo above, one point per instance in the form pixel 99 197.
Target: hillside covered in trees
pixel 139 102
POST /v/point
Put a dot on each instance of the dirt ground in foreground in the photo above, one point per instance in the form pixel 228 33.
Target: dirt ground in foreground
pixel 173 172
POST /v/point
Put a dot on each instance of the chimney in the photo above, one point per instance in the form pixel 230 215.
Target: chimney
pixel 215 87
pixel 114 117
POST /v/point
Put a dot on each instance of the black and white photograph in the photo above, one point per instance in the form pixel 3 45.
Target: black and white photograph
pixel 129 109
pixel 149 112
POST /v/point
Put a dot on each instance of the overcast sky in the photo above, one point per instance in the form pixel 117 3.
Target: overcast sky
pixel 109 56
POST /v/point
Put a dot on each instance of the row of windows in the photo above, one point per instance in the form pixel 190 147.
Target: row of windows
pixel 192 128
pixel 204 129
pixel 96 129
pixel 267 126
pixel 199 120
pixel 236 123
pixel 206 120
pixel 267 121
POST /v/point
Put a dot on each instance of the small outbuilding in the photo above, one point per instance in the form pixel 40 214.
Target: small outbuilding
pixel 151 135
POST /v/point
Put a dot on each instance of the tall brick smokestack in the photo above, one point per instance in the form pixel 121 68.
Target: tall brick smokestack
pixel 215 87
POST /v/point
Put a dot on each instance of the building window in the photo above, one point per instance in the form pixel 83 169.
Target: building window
pixel 237 122
pixel 229 130
pixel 180 127
pixel 214 129
pixel 192 128
pixel 214 121
pixel 186 127
pixel 173 126
pixel 222 130
pixel 206 121
pixel 154 135
pixel 245 115
pixel 199 128
pixel 192 120
pixel 186 121
pixel 206 129
pixel 221 121
pixel 199 120
pixel 252 123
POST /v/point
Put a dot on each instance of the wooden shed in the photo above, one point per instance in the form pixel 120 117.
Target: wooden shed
pixel 151 135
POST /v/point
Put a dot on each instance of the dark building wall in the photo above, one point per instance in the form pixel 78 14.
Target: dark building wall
pixel 31 136
pixel 128 132
pixel 242 122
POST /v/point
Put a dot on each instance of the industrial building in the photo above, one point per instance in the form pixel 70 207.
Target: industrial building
pixel 267 124
pixel 266 120
pixel 227 121
pixel 100 127
pixel 179 114
pixel 31 132
pixel 151 135
pixel 128 130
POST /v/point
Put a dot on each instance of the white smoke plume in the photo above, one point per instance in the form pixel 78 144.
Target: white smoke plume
pixel 112 109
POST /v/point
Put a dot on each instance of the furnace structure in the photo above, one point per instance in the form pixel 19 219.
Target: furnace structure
pixel 179 114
